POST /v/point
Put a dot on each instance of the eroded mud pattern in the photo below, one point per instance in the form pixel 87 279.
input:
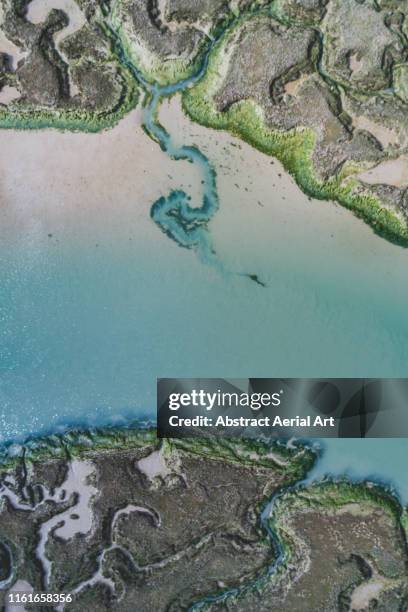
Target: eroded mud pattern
pixel 194 525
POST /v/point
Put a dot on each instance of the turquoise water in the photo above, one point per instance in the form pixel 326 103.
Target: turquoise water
pixel 379 460
pixel 185 224
pixel 86 331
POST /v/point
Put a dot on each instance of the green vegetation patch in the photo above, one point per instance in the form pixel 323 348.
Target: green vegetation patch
pixel 294 148
pixel 31 117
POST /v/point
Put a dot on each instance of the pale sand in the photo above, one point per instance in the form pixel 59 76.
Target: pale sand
pixel 385 136
pixel 9 94
pixel 100 188
pixel 62 524
pixel 391 172
pixel 154 465
pixel 78 481
pixel 262 210
pixel 293 87
pixel 365 593
pixel 85 185
pixel 38 10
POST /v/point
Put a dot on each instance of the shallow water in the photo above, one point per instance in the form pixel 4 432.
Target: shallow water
pixel 380 460
pixel 97 302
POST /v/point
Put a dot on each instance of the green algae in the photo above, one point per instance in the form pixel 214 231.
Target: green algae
pixel 293 148
pixel 404 523
pixel 400 75
pixel 244 119
pixel 250 452
pixel 334 495
pixel 172 71
pixel 158 72
pixel 330 497
pixel 33 118
pixel 78 443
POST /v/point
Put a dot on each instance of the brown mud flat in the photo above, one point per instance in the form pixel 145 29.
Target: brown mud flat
pixel 166 525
